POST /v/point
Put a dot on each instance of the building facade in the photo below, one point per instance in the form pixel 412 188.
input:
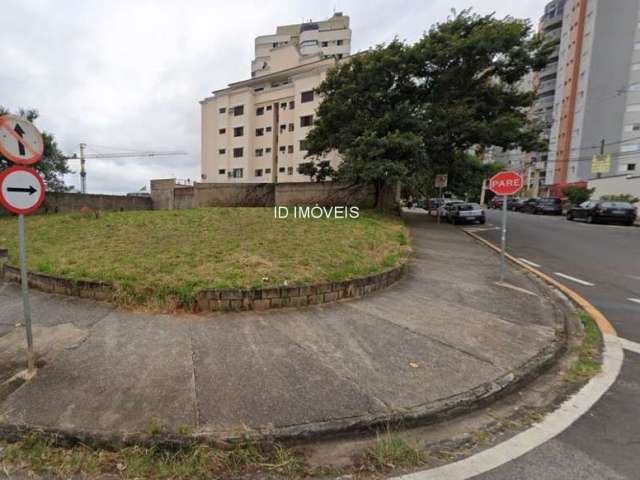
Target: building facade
pixel 596 89
pixel 253 131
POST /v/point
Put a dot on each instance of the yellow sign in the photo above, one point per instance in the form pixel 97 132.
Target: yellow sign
pixel 601 163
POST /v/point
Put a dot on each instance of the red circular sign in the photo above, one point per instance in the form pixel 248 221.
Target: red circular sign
pixel 505 183
pixel 21 190
pixel 20 140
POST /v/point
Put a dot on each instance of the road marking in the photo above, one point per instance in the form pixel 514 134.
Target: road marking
pixel 629 345
pixel 517 289
pixel 482 229
pixel 529 262
pixel 574 279
pixel 635 277
pixel 634 300
pixel 552 425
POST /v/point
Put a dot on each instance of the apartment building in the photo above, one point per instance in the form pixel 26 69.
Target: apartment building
pixel 253 131
pixel 596 92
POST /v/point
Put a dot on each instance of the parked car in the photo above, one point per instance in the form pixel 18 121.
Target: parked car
pixel 465 212
pixel 596 211
pixel 496 202
pixel 444 209
pixel 517 204
pixel 552 205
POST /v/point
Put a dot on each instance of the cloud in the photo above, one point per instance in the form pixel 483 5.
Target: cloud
pixel 130 73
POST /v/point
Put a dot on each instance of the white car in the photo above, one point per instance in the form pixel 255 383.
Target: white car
pixel 443 210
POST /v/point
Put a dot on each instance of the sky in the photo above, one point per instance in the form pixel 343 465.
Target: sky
pixel 127 75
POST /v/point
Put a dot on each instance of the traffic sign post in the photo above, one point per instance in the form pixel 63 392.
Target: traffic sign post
pixel 22 192
pixel 505 184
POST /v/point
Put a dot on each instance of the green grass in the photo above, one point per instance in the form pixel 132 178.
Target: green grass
pixel 392 451
pixel 195 462
pixel 588 362
pixel 163 258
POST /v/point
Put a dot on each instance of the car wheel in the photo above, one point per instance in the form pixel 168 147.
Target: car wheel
pixel 482 221
pixel 569 216
pixel 590 219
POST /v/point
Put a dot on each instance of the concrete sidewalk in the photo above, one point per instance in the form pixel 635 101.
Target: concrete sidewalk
pixel 443 337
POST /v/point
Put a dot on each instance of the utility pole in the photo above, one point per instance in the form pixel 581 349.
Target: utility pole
pixel 599 175
pixel 83 172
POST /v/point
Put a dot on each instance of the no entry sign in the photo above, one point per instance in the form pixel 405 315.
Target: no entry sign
pixel 505 183
pixel 21 190
pixel 20 141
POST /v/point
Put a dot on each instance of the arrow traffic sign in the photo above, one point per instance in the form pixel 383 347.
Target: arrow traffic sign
pixel 21 190
pixel 20 140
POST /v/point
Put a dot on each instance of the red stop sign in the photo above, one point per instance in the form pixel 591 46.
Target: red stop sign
pixel 505 183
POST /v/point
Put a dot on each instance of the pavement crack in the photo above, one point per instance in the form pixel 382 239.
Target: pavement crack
pixel 196 403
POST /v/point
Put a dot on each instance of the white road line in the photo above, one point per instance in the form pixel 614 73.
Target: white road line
pixel 574 279
pixel 634 300
pixel 529 262
pixel 629 345
pixel 517 289
pixel 635 277
pixel 553 424
pixel 481 229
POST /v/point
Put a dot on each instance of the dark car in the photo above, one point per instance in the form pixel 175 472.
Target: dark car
pixel 552 205
pixel 596 211
pixel 465 212
pixel 517 204
pixel 496 202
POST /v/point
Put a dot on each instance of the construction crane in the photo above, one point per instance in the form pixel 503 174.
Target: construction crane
pixel 84 155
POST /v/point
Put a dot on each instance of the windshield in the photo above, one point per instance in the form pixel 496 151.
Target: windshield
pixel 469 206
pixel 549 201
pixel 617 205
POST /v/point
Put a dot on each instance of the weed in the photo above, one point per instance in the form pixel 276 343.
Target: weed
pixel 588 362
pixel 391 450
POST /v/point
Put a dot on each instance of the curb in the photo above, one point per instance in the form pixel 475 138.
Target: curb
pixel 557 421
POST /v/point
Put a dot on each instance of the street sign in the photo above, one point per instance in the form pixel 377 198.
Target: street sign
pixel 601 163
pixel 20 140
pixel 441 181
pixel 21 190
pixel 505 183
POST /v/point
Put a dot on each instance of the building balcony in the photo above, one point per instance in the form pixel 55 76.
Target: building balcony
pixel 551 23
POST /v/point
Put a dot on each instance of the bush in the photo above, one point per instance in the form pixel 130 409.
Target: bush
pixel 622 197
pixel 577 195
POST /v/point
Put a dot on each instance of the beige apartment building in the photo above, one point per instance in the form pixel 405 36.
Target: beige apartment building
pixel 253 131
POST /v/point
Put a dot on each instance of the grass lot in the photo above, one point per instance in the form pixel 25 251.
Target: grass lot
pixel 162 258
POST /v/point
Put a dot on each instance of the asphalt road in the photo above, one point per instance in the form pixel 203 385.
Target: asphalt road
pixel 602 263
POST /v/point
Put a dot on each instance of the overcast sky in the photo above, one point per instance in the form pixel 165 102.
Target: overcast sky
pixel 128 74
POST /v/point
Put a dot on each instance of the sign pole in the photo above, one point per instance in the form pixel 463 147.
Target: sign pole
pixel 503 239
pixel 25 294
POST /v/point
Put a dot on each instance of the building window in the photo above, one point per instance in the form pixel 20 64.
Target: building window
pixel 238 131
pixel 631 167
pixel 238 152
pixel 267 129
pixel 259 152
pixel 222 171
pixel 292 105
pixel 283 127
pixel 237 173
pixel 325 44
pixel 222 110
pixel 290 149
pixel 634 147
pixel 239 110
pixel 258 172
pixel 289 170
pixel 267 171
pixel 281 170
pixel 339 42
pixel 222 151
pixel 268 108
pixel 267 150
pixel 283 148
pixel 306 96
pixel 339 56
pixel 633 108
pixel 303 145
pixel 260 111
pixel 632 127
pixel 306 121
pixel 291 126
pixel 222 131
pixel 635 67
pixel 259 132
pixel 283 105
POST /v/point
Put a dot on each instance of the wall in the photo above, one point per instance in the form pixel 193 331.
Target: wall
pixel 167 195
pixel 57 202
pixel 615 185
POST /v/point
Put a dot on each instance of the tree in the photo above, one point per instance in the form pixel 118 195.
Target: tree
pixel 577 195
pixel 401 111
pixel 53 163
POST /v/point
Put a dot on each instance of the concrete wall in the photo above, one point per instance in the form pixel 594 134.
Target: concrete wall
pixel 616 185
pixel 56 202
pixel 167 195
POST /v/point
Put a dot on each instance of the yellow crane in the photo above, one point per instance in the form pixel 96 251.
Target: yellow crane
pixel 84 155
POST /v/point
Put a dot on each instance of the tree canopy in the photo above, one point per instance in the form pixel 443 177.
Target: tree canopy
pixel 53 163
pixel 402 110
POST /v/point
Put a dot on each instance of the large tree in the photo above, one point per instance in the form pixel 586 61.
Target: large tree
pixel 401 110
pixel 53 164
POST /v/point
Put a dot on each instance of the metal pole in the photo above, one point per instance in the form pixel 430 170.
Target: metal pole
pixel 25 294
pixel 439 204
pixel 503 239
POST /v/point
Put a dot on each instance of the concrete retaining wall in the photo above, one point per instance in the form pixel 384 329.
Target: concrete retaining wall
pixel 57 202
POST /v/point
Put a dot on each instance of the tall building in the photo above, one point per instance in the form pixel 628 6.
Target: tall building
pixel 253 131
pixel 596 89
